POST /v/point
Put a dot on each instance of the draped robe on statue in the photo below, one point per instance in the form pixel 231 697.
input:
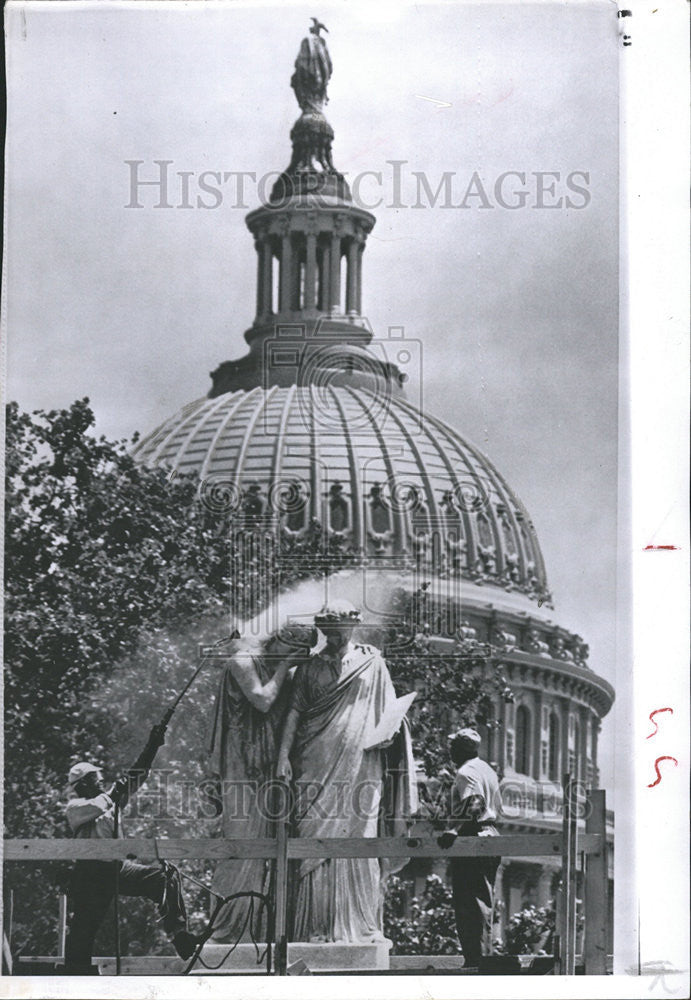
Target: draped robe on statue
pixel 343 790
pixel 244 744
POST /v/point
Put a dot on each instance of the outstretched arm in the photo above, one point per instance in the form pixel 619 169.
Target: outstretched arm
pixel 136 775
pixel 261 696
pixel 283 768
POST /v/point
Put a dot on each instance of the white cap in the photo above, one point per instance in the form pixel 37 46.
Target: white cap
pixel 80 770
pixel 468 738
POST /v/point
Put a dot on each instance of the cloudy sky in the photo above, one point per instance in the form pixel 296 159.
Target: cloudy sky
pixel 514 310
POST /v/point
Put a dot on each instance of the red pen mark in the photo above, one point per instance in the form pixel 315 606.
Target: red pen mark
pixel 661 548
pixel 655 723
pixel 657 770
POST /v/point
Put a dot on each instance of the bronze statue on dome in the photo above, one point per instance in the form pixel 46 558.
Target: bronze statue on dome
pixel 313 70
pixel 311 170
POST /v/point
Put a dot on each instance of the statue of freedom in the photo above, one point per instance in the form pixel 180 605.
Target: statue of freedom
pixel 313 70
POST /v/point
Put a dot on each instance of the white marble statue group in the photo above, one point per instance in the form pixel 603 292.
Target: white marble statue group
pixel 330 725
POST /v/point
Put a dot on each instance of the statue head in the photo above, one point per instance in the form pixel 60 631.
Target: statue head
pixel 296 640
pixel 337 620
pixel 317 26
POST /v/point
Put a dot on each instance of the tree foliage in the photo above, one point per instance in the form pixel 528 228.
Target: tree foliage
pixel 423 925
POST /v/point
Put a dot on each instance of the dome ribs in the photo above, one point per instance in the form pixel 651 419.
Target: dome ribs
pixel 358 528
pixel 206 412
pixel 177 424
pixel 236 403
pixel 473 537
pixel 453 478
pixel 400 541
pixel 318 436
pixel 491 520
pixel 279 445
pixel 409 439
pixel 509 501
pixel 541 569
pixel 504 494
pixel 263 395
pixel 315 484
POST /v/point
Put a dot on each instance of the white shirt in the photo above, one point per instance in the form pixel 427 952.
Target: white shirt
pixel 476 777
pixel 92 818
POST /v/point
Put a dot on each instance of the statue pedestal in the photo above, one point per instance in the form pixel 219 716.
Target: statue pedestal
pixel 332 956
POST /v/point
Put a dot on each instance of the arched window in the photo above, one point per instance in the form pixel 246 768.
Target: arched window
pixel 454 522
pixel 509 538
pixel 252 503
pixel 523 740
pixel 296 507
pixel 380 518
pixel 419 518
pixel 554 754
pixel 338 508
pixel 484 531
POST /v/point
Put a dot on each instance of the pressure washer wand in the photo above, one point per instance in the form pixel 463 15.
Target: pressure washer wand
pixel 163 724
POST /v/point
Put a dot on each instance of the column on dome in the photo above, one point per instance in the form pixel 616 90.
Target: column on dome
pixel 537 736
pixel 352 283
pixel 564 720
pixel 582 750
pixel 324 275
pixel 267 278
pixel 295 272
pixel 576 743
pixel 597 725
pixel 494 752
pixel 285 281
pixel 358 274
pixel 259 247
pixel 335 283
pixel 501 752
pixel 310 270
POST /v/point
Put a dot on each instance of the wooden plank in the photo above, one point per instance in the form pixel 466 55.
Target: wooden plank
pixel 143 849
pixel 520 845
pixel 62 925
pixel 596 888
pixel 215 849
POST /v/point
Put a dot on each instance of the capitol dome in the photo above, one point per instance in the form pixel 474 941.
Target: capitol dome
pixel 309 436
pixel 378 476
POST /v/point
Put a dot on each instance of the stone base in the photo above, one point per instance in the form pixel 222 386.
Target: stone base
pixel 331 956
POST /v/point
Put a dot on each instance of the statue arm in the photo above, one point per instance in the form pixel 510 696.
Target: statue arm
pixel 261 696
pixel 283 768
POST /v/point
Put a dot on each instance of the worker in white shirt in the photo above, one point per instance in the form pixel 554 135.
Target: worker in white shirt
pixel 475 803
pixel 91 815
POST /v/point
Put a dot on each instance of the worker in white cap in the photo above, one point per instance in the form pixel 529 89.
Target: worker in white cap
pixel 90 813
pixel 475 803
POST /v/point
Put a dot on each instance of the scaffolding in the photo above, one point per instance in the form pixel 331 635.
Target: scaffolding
pixel 580 846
